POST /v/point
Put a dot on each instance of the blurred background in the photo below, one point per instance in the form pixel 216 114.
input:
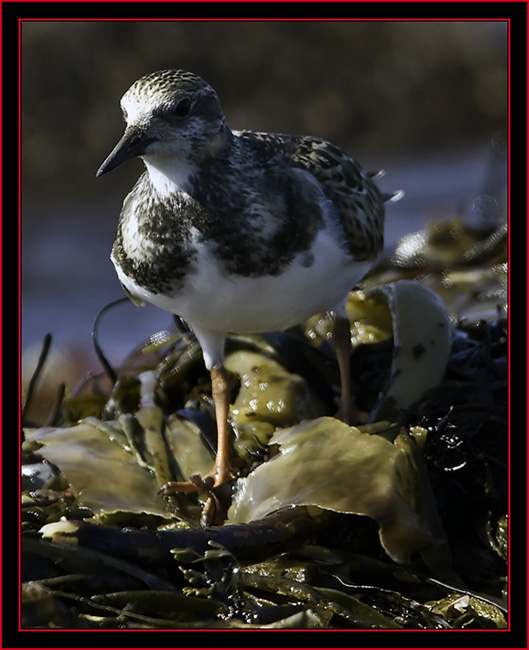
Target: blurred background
pixel 425 101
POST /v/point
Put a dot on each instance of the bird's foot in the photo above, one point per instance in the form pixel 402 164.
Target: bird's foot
pixel 217 487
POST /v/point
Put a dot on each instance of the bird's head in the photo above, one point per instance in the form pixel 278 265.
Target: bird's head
pixel 174 122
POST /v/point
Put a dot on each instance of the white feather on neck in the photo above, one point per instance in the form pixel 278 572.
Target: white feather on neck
pixel 168 175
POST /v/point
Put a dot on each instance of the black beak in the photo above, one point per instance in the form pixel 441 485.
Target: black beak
pixel 131 145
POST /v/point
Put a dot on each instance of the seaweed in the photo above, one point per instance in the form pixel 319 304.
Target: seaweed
pixel 400 522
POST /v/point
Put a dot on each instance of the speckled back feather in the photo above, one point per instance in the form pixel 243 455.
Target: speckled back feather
pixel 359 203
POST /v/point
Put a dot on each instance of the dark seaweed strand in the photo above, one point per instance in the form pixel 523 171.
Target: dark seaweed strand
pixel 112 375
pixel 35 376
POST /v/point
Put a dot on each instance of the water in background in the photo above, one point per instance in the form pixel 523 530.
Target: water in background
pixel 67 276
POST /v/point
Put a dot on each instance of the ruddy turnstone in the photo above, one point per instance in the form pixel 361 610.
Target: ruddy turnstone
pixel 238 231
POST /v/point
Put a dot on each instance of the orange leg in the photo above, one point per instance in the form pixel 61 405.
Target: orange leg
pixel 214 511
pixel 221 396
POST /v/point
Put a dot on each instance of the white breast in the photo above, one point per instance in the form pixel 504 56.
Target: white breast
pixel 229 303
pixel 214 302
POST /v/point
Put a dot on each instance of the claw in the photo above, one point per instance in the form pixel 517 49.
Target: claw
pixel 219 496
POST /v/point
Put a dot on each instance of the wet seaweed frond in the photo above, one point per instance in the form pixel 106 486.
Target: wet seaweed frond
pixel 398 523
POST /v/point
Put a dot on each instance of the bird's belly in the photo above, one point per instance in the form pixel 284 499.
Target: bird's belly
pixel 214 299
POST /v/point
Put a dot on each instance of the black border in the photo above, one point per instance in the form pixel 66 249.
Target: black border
pixel 12 12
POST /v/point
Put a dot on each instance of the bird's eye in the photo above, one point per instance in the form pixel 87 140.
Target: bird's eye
pixel 183 108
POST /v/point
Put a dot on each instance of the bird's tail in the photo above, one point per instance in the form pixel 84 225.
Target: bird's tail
pixel 392 197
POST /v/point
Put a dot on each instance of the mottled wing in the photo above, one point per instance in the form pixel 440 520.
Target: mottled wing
pixel 359 203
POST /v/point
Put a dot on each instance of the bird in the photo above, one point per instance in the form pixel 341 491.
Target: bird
pixel 238 231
